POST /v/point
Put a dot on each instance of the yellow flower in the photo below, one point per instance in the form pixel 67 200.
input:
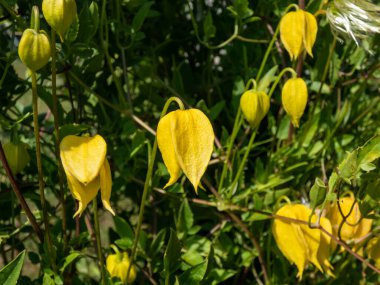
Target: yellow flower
pixel 185 139
pixel 373 250
pixel 294 99
pixel 17 156
pixel 354 227
pixel 298 31
pixel 59 14
pixel 117 266
pixel 34 49
pixel 298 242
pixel 255 106
pixel 87 169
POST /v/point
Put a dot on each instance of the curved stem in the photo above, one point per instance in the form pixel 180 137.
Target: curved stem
pixel 35 19
pixel 99 241
pixel 57 137
pixel 39 168
pixel 148 179
pixel 274 85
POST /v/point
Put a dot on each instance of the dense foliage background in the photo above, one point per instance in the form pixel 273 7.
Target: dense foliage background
pixel 119 63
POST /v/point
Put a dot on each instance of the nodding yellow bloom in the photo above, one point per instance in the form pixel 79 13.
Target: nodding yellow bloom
pixel 373 250
pixel 87 169
pixel 117 265
pixel 294 99
pixel 354 227
pixel 185 139
pixel 298 242
pixel 255 106
pixel 59 14
pixel 298 31
pixel 17 156
pixel 34 49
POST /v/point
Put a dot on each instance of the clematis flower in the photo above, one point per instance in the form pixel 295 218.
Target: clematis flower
pixel 87 169
pixel 185 139
pixel 255 106
pixel 298 242
pixel 298 31
pixel 117 265
pixel 354 227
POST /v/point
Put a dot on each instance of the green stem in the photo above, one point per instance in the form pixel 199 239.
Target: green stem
pixel 274 85
pixel 35 19
pixel 242 163
pixel 57 137
pixel 99 241
pixel 148 179
pixel 39 168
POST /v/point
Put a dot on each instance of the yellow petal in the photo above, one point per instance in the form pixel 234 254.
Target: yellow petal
pixel 111 263
pixel 83 193
pixel 255 106
pixel 294 99
pixel 373 250
pixel 292 26
pixel 193 141
pixel 165 144
pixel 310 33
pixel 106 185
pixel 290 239
pixel 83 157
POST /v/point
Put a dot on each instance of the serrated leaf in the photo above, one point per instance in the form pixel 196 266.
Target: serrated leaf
pixel 11 272
pixel 349 166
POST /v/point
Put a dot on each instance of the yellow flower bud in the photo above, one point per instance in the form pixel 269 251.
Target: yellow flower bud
pixel 59 14
pixel 294 99
pixel 354 227
pixel 185 139
pixel 17 156
pixel 87 169
pixel 373 250
pixel 298 242
pixel 117 266
pixel 255 106
pixel 298 31
pixel 34 49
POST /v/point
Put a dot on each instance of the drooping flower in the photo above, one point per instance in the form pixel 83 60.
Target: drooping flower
pixel 354 226
pixel 294 99
pixel 17 156
pixel 298 31
pixel 255 106
pixel 117 265
pixel 185 139
pixel 358 19
pixel 298 242
pixel 87 169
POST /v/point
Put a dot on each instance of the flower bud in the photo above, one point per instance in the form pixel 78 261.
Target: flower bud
pixel 59 14
pixel 17 156
pixel 34 49
pixel 294 99
pixel 298 31
pixel 255 106
pixel 117 266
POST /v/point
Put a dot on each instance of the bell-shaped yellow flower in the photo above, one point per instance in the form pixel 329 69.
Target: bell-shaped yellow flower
pixel 298 31
pixel 354 227
pixel 255 106
pixel 17 156
pixel 87 169
pixel 59 14
pixel 117 266
pixel 294 99
pixel 185 139
pixel 373 250
pixel 298 242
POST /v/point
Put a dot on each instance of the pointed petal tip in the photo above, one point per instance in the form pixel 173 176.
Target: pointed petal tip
pixel 107 206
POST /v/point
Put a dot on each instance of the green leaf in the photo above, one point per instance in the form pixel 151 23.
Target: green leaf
pixel 158 243
pixel 140 17
pixel 72 129
pixel 349 166
pixel 209 29
pixel 267 79
pixel 240 9
pixel 185 218
pixel 11 272
pixel 194 275
pixel 172 254
pixel 69 259
pixel 370 151
pixel 317 193
pixel 123 228
pixel 73 31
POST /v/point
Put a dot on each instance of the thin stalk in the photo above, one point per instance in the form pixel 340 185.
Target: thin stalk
pixel 57 137
pixel 39 168
pixel 99 241
pixel 274 85
pixel 148 179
